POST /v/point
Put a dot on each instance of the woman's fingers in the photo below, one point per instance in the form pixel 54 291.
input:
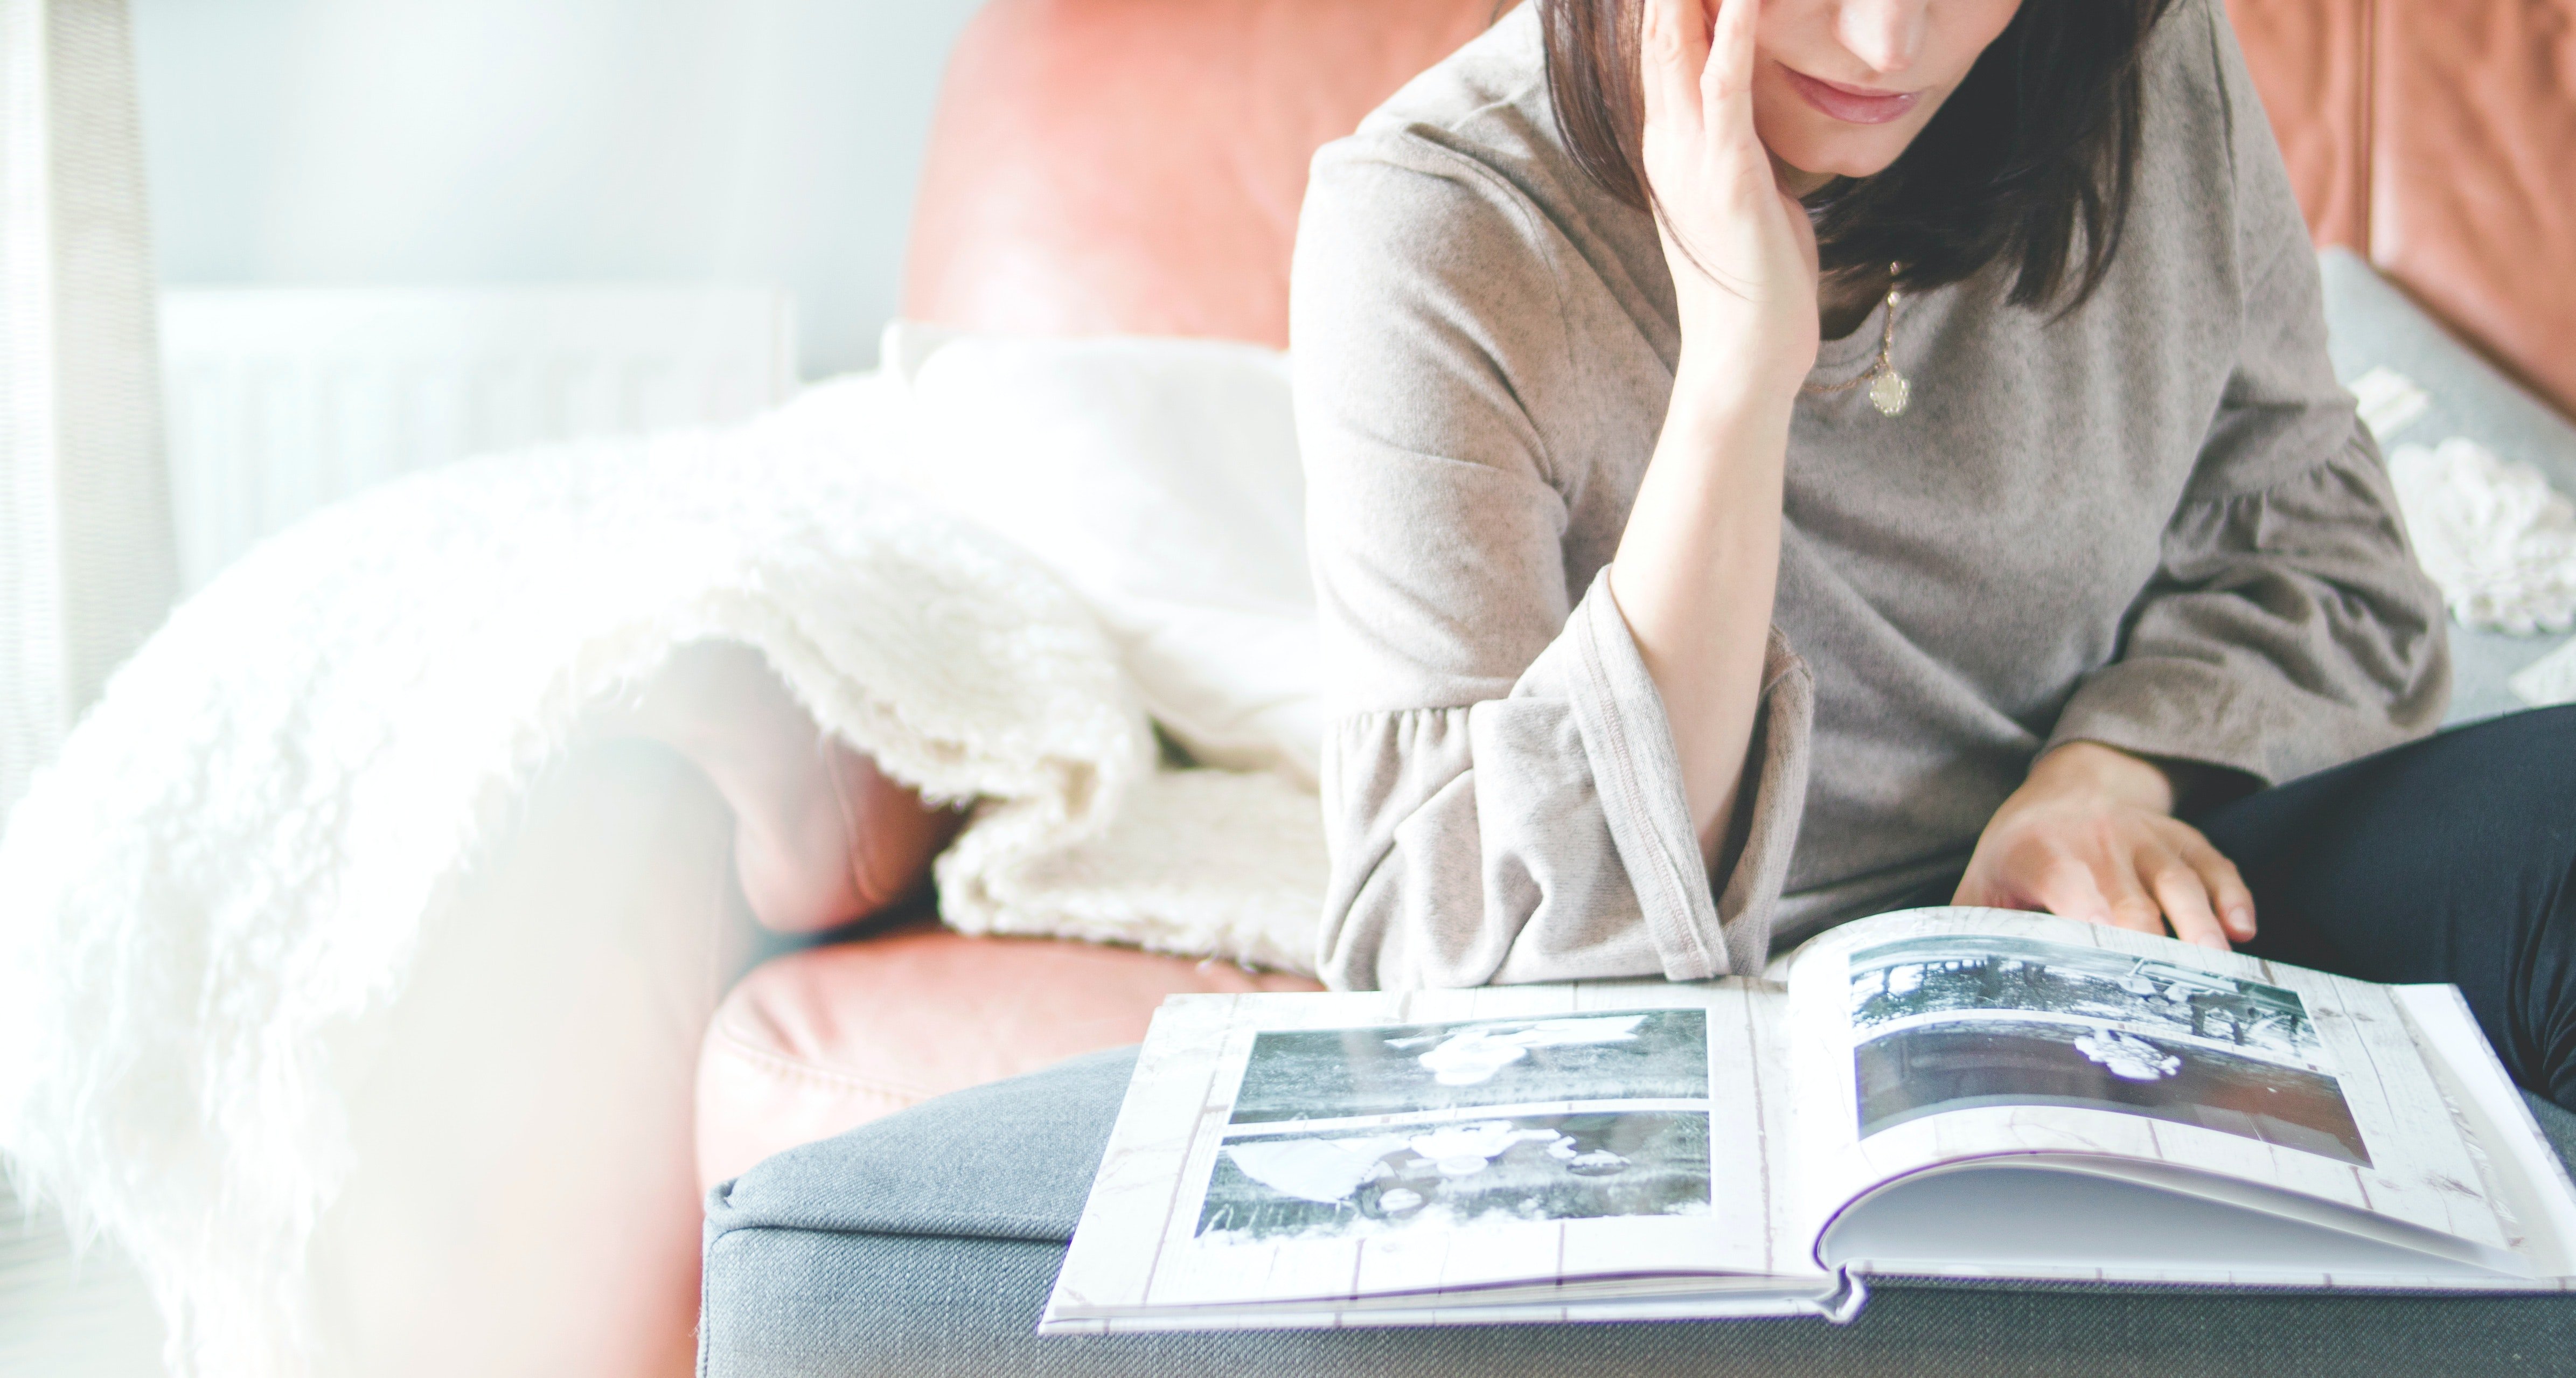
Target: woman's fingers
pixel 1672 49
pixel 2131 905
pixel 2228 894
pixel 2183 895
pixel 2143 891
pixel 2065 886
pixel 2083 849
pixel 1726 78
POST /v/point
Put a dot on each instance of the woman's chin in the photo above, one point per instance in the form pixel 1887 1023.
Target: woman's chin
pixel 1819 165
pixel 1821 154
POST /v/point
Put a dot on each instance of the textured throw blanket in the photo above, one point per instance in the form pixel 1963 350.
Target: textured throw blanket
pixel 208 905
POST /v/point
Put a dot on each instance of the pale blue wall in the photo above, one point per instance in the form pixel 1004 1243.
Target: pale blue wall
pixel 769 142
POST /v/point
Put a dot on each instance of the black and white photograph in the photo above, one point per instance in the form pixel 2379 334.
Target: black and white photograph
pixel 1907 981
pixel 1965 1063
pixel 1330 1074
pixel 1452 1172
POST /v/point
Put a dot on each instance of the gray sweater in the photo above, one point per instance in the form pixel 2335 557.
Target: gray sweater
pixel 2154 523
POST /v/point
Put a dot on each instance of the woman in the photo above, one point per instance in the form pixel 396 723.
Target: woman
pixel 1772 461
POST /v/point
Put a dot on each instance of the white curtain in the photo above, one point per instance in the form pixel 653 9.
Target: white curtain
pixel 87 565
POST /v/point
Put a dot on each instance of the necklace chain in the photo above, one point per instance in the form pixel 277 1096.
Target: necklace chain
pixel 1888 389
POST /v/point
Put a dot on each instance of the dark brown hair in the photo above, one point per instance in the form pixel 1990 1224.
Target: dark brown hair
pixel 2032 154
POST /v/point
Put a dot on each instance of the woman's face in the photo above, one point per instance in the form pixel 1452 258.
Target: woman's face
pixel 1840 87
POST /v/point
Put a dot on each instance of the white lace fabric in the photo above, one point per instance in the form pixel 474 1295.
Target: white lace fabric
pixel 2492 533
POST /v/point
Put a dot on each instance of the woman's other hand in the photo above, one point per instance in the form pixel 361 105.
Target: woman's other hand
pixel 2091 835
pixel 1741 250
pixel 1698 565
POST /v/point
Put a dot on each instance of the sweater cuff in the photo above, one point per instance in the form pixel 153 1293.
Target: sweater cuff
pixel 1776 786
pixel 2174 709
pixel 1698 932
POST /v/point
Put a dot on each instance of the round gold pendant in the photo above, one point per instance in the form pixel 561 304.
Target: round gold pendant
pixel 1889 392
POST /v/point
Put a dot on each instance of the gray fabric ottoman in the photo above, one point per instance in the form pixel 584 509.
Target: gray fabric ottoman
pixel 925 1244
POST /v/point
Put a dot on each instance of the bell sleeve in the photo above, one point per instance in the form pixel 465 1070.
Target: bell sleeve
pixel 1502 798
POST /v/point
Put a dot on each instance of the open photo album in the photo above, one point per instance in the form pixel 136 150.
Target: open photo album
pixel 1968 1093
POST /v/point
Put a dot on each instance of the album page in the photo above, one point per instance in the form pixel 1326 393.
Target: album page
pixel 1507 1153
pixel 1934 1036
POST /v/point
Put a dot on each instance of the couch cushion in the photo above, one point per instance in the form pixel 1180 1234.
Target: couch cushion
pixel 817 1041
pixel 927 1242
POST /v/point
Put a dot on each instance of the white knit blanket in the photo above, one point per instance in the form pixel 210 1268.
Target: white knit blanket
pixel 207 906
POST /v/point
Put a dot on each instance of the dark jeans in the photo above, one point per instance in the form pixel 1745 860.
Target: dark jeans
pixel 2448 859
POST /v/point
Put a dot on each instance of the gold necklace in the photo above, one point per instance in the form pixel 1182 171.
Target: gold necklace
pixel 1888 390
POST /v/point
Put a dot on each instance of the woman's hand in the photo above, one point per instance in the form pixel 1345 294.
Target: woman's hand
pixel 1742 253
pixel 2091 835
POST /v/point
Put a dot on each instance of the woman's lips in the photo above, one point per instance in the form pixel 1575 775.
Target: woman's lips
pixel 1850 104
